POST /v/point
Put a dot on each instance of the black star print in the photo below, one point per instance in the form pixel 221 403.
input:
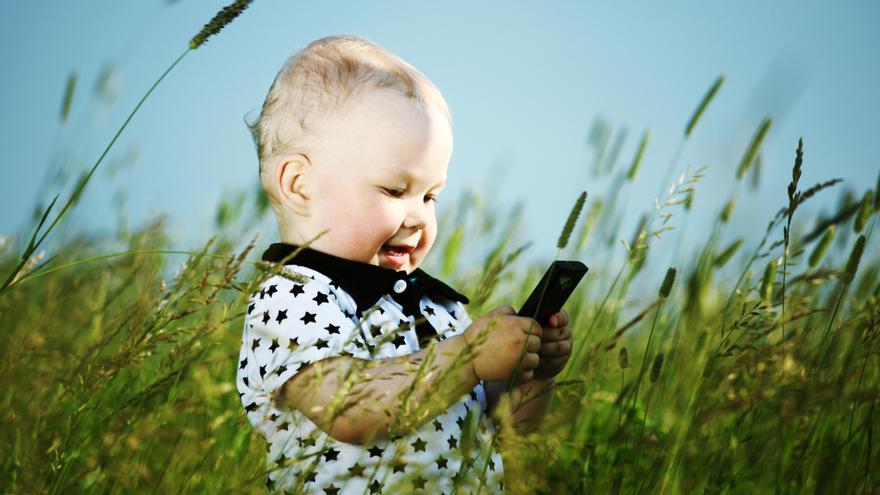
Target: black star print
pixel 460 422
pixel 309 442
pixel 419 445
pixel 262 371
pixel 320 344
pixel 419 482
pixel 437 425
pixel 262 293
pixel 320 297
pixel 331 329
pixel 266 317
pixel 283 426
pixel 272 290
pixel 399 467
pixel 403 324
pixel 243 364
pixel 375 331
pixel 270 483
pixel 453 443
pixel 255 344
pixel 273 417
pixel 473 395
pixel 334 284
pixel 356 470
pixel 297 290
pixel 398 340
pixel 251 308
pixel 308 318
pixel 331 454
pixel 381 310
pixel 312 476
pixel 281 369
pixel 331 490
pixel 375 487
pixel 246 383
pixel 346 353
pixel 429 310
pixel 469 462
pixel 348 315
pixel 251 407
pixel 282 315
pixel 450 325
pixel 441 462
pixel 281 459
pixel 292 344
pixel 491 464
pixel 375 451
pixel 274 345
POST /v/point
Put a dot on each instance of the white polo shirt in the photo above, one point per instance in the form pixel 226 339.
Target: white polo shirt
pixel 347 308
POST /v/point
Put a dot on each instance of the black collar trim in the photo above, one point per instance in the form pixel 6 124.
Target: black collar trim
pixel 366 283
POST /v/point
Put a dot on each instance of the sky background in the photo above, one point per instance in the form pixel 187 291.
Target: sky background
pixel 525 81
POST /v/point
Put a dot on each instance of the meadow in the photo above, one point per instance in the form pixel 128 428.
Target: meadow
pixel 752 368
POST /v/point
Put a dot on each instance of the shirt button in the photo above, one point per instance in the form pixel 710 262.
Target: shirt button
pixel 399 286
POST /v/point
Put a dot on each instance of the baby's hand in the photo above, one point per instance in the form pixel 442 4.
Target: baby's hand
pixel 511 344
pixel 556 344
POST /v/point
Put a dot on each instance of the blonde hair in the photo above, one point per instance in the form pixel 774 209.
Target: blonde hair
pixel 319 81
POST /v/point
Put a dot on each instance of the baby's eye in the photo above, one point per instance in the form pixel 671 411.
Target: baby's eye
pixel 395 192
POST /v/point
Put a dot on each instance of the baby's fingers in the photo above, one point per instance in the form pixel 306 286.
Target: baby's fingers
pixel 554 334
pixel 530 361
pixel 555 349
pixel 558 319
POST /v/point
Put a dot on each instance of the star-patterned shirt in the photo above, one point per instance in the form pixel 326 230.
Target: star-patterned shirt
pixel 347 308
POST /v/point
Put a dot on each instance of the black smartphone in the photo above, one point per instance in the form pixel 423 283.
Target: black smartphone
pixel 555 287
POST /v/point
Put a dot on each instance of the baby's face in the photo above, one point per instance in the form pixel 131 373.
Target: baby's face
pixel 374 180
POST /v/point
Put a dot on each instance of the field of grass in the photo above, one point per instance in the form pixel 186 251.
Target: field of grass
pixel 754 369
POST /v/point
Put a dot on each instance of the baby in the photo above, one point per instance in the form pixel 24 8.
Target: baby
pixel 364 373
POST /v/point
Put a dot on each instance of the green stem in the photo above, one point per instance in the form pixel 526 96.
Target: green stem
pixel 82 184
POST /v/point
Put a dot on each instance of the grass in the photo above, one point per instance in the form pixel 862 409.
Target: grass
pixel 119 377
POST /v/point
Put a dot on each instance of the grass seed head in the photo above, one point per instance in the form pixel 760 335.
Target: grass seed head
pixel 572 219
pixel 634 167
pixel 822 246
pixel 220 20
pixel 728 210
pixel 768 280
pixel 749 157
pixel 655 368
pixel 865 210
pixel 707 98
pixel 852 264
pixel 623 359
pixel 668 280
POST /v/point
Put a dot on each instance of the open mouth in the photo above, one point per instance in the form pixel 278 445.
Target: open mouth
pixel 396 255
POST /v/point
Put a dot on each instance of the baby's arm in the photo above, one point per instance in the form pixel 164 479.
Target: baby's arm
pixel 375 399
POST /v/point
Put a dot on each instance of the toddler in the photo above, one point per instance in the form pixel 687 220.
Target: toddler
pixel 364 373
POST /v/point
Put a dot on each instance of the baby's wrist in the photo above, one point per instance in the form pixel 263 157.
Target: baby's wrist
pixel 467 346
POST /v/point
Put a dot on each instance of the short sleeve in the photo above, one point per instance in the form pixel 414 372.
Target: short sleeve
pixel 289 325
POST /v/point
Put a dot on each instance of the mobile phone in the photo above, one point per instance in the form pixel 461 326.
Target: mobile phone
pixel 555 287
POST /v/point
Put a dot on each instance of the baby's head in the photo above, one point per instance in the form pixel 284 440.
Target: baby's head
pixel 353 140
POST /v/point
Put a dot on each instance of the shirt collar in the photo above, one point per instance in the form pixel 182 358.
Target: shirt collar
pixel 365 282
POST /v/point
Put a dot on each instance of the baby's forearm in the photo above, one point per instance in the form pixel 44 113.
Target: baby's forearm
pixel 394 396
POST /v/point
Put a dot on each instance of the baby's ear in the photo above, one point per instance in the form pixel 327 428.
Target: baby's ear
pixel 293 179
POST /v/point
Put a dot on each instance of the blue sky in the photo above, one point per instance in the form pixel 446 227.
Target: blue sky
pixel 524 81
